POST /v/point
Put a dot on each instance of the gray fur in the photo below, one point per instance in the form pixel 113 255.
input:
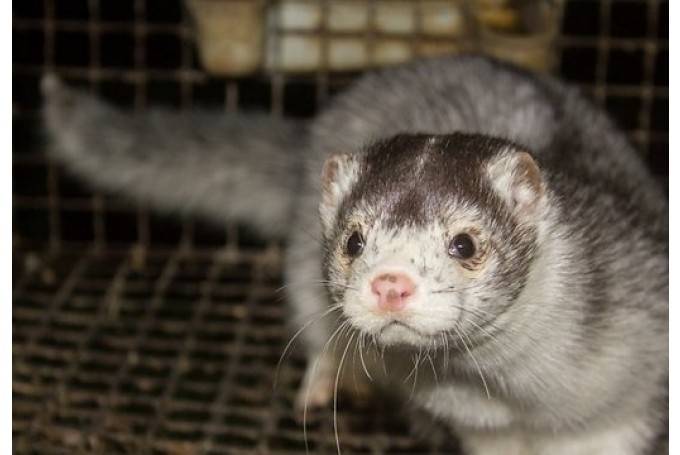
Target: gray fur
pixel 578 361
pixel 186 162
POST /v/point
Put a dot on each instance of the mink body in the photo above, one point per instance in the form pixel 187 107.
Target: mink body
pixel 550 339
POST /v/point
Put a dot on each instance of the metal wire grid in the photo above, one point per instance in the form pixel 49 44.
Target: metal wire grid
pixel 172 355
pixel 136 334
pixel 626 74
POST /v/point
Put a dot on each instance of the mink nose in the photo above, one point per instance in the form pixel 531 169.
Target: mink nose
pixel 392 290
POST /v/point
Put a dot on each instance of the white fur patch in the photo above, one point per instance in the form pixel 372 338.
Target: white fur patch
pixel 516 179
pixel 340 172
pixel 421 254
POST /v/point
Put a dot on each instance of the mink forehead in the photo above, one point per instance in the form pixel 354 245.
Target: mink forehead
pixel 415 179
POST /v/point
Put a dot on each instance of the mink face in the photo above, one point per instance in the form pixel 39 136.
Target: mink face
pixel 433 236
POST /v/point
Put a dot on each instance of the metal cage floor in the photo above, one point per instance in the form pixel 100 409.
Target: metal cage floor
pixel 127 351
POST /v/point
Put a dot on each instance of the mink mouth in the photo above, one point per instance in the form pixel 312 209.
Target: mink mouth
pixel 402 334
pixel 400 324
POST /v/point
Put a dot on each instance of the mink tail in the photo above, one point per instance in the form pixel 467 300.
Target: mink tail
pixel 220 166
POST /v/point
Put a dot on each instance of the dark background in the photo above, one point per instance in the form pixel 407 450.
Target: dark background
pixel 139 52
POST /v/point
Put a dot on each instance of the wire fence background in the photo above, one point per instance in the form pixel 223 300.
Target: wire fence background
pixel 140 333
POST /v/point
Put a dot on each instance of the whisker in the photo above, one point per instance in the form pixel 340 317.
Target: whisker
pixel 335 394
pixel 382 356
pixel 446 351
pixel 494 325
pixel 292 339
pixel 354 362
pixel 434 371
pixel 415 376
pixel 361 356
pixel 478 311
pixel 379 349
pixel 318 283
pixel 411 371
pixel 347 328
pixel 481 329
pixel 451 289
pixel 313 373
pixel 474 360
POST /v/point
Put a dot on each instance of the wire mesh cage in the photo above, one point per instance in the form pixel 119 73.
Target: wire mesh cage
pixel 135 332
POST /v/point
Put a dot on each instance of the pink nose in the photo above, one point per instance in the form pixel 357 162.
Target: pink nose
pixel 392 290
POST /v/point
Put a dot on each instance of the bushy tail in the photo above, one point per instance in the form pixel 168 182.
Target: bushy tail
pixel 212 164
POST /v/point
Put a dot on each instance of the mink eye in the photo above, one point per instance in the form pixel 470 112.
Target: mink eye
pixel 355 244
pixel 462 247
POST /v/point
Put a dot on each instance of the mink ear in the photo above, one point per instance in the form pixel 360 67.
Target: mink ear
pixel 337 177
pixel 518 180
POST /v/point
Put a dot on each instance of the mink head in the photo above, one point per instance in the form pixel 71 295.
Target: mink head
pixel 429 236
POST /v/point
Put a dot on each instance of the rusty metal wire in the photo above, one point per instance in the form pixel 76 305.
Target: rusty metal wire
pixel 135 333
